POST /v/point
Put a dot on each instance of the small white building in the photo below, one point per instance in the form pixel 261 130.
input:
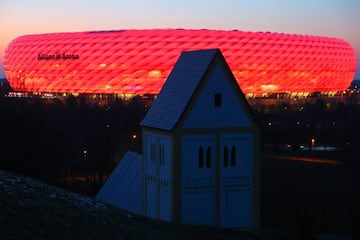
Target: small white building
pixel 201 147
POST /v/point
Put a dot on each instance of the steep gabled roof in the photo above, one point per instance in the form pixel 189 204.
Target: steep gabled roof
pixel 178 89
pixel 123 188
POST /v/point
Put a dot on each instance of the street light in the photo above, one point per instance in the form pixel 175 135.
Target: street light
pixel 312 142
pixel 133 137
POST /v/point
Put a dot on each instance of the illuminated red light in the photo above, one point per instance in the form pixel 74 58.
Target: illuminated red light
pixel 139 61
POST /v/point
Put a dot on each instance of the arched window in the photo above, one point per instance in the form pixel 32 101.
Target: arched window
pixel 217 100
pixel 208 157
pixel 233 156
pixel 201 157
pixel 226 156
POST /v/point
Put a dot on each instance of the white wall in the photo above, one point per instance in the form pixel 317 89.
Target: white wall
pixel 157 175
pixel 150 175
pixel 236 180
pixel 198 182
pixel 164 146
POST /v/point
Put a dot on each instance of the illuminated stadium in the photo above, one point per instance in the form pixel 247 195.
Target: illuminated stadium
pixel 139 61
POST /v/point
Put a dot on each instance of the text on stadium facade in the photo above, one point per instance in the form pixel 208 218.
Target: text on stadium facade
pixel 58 56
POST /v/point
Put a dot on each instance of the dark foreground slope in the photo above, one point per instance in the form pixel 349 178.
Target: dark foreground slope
pixel 299 200
pixel 33 210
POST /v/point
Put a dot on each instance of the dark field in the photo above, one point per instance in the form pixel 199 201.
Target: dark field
pixel 310 198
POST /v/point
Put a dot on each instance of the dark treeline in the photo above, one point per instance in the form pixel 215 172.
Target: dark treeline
pixel 55 140
pixel 327 122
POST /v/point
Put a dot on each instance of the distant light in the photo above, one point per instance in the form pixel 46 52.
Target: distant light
pixel 134 136
pixel 312 142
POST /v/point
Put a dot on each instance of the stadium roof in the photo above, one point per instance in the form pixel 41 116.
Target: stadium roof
pixel 139 61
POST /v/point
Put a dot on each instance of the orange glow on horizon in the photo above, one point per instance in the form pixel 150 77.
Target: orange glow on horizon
pixel 305 159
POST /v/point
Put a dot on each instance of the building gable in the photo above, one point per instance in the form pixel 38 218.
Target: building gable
pixel 199 151
pixel 179 89
pixel 219 102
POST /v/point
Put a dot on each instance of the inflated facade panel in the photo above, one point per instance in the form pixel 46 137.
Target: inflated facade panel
pixel 139 61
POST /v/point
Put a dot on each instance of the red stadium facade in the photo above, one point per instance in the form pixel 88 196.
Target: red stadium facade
pixel 139 61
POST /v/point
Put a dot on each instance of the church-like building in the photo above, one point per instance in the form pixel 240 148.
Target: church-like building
pixel 200 162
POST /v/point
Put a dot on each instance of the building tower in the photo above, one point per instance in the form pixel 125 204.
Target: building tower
pixel 201 147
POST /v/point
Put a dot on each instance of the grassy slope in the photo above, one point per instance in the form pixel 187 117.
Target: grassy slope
pixel 33 210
